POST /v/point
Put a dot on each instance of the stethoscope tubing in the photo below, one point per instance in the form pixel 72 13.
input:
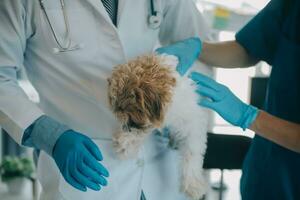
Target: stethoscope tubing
pixel 61 47
pixel 154 22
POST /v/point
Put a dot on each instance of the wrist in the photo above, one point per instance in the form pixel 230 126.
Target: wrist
pixel 45 133
pixel 59 139
pixel 203 54
pixel 255 126
pixel 249 117
pixel 199 46
pixel 204 49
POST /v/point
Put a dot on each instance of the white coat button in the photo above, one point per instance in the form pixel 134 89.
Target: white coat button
pixel 140 162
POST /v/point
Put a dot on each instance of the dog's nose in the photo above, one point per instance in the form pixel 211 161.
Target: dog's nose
pixel 132 124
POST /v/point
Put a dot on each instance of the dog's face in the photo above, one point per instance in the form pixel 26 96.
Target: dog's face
pixel 137 107
pixel 139 93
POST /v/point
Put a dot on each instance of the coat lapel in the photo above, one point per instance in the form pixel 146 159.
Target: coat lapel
pixel 100 9
pixel 121 6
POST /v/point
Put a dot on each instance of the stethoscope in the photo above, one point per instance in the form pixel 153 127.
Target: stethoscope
pixel 154 22
pixel 155 17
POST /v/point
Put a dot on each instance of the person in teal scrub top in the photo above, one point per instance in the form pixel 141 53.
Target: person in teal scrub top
pixel 271 168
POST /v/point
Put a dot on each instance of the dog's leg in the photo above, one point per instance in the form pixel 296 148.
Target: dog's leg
pixel 127 144
pixel 188 123
pixel 190 140
pixel 193 181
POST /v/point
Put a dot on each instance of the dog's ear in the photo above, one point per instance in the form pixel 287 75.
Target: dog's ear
pixel 157 107
pixel 137 95
pixel 153 104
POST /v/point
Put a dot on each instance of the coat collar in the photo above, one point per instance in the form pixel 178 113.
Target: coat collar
pixel 100 9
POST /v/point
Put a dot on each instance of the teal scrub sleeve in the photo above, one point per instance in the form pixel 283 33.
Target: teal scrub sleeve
pixel 261 35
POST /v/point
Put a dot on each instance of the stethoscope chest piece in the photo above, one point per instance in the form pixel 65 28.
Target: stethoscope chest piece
pixel 155 21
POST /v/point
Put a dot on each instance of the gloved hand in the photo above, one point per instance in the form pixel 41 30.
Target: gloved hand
pixel 224 102
pixel 77 159
pixel 187 51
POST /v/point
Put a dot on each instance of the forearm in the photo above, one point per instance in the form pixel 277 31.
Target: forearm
pixel 280 131
pixel 226 54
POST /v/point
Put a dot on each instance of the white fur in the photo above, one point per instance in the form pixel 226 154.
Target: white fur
pixel 188 124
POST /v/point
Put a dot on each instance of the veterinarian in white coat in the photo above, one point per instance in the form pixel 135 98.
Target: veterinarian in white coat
pixel 72 85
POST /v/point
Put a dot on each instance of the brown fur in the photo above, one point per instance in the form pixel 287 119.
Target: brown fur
pixel 139 92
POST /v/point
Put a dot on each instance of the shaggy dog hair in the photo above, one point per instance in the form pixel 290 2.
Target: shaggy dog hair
pixel 146 94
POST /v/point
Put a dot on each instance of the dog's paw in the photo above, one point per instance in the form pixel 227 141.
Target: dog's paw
pixel 174 144
pixel 194 187
pixel 176 140
pixel 126 145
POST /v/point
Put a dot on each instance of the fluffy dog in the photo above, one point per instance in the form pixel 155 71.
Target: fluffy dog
pixel 148 93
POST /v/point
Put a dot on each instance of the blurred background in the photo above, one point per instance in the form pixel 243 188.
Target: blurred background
pixel 227 145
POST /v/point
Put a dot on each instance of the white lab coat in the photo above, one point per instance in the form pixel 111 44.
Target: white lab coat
pixel 72 85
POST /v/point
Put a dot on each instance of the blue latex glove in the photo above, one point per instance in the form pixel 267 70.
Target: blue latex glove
pixel 224 102
pixel 187 51
pixel 77 159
